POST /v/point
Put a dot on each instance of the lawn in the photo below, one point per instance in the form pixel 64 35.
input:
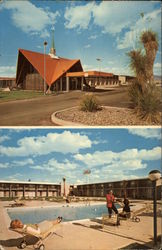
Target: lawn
pixel 18 95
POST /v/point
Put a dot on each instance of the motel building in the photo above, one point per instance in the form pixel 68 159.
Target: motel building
pixel 48 72
pixel 28 189
pixel 134 189
pixel 6 82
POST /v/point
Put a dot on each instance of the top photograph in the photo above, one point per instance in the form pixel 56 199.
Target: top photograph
pixel 80 63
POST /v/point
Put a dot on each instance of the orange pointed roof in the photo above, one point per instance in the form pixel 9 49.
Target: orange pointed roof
pixel 55 67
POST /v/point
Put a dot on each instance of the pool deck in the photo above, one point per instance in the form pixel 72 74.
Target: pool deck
pixel 83 234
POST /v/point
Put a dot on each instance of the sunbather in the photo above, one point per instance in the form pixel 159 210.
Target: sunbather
pixel 34 228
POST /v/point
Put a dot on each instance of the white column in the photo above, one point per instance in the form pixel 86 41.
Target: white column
pixel 67 83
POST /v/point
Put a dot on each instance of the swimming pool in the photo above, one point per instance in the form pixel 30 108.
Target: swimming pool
pixel 70 213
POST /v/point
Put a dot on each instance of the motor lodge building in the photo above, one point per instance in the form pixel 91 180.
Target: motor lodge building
pixel 29 189
pixel 134 189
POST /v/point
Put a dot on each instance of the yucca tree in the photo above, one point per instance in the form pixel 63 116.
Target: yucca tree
pixel 138 65
pixel 143 92
pixel 149 40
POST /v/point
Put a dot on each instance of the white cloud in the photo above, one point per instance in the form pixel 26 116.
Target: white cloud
pixel 29 18
pixel 4 138
pixel 15 177
pixel 23 163
pixel 92 37
pixel 78 16
pixel 78 181
pixel 54 166
pixel 130 159
pixel 146 132
pixel 44 34
pixel 66 142
pixel 9 71
pixel 130 39
pixel 111 16
pixel 87 46
pixel 116 175
pixel 4 165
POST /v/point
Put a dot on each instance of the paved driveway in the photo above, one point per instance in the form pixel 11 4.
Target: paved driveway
pixel 37 112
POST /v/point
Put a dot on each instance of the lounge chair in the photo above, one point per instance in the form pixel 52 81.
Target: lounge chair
pixel 133 215
pixel 17 203
pixel 41 231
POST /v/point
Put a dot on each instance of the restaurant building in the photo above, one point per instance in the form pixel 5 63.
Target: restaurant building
pixel 49 72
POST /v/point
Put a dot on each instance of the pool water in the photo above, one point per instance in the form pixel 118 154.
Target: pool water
pixel 69 213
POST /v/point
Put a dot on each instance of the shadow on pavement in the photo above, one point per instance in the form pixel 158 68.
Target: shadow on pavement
pixel 105 230
pixel 149 245
pixel 16 242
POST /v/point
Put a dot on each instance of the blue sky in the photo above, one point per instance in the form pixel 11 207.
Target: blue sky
pixel 84 30
pixel 51 154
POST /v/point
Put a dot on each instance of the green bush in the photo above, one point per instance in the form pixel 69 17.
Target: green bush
pixel 89 103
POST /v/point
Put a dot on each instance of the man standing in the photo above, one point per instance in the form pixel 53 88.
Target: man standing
pixel 110 203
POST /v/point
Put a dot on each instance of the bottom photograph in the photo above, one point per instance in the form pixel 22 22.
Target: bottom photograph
pixel 80 189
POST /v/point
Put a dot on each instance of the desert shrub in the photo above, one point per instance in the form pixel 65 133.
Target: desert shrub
pixel 146 103
pixel 149 104
pixel 89 103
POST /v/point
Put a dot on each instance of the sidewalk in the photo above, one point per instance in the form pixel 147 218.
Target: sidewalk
pixel 86 235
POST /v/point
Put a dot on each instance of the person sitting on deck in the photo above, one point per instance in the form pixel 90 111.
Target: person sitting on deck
pixel 126 209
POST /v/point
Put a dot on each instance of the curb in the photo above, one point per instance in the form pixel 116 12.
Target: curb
pixel 61 122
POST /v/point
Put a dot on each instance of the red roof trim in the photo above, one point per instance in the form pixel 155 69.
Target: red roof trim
pixel 90 73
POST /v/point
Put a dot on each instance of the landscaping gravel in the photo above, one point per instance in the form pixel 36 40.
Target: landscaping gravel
pixel 108 116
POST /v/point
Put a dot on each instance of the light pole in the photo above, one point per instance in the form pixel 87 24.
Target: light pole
pixel 99 69
pixel 45 44
pixel 155 175
pixel 64 179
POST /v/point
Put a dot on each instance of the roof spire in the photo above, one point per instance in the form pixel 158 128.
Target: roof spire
pixel 53 50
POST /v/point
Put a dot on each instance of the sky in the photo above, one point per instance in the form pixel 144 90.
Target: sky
pixel 84 30
pixel 48 155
